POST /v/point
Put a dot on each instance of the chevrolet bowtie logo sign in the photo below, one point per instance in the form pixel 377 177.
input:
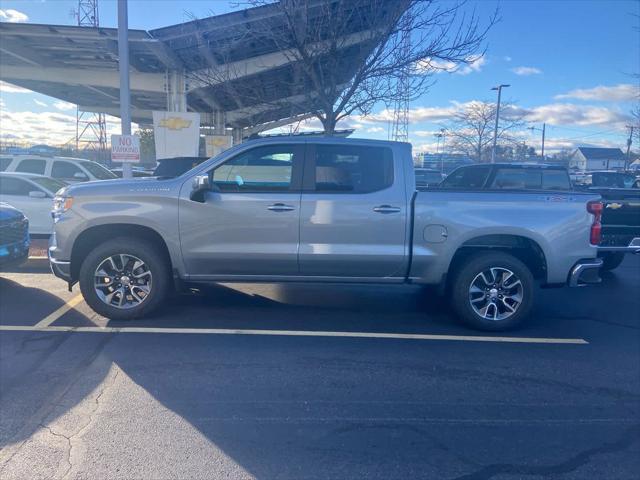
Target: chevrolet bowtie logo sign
pixel 175 123
pixel 614 206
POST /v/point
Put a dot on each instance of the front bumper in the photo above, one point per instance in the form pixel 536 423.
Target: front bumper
pixel 632 247
pixel 585 272
pixel 60 268
pixel 14 255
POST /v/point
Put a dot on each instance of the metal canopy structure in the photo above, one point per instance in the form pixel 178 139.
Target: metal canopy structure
pixel 170 68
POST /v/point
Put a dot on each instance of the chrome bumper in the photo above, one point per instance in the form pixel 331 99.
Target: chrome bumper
pixel 585 272
pixel 633 247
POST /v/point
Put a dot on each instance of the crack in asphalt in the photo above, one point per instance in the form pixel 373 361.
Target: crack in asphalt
pixel 631 436
pixel 72 439
pixel 39 417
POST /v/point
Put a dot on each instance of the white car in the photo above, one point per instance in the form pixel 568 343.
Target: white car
pixel 67 169
pixel 33 196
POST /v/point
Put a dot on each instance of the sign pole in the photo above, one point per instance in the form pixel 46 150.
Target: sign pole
pixel 123 66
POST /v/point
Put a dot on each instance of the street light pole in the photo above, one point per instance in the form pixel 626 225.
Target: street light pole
pixel 123 66
pixel 495 130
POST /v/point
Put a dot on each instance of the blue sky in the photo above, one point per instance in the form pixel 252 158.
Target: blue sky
pixel 569 64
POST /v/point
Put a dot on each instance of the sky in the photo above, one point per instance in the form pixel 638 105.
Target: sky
pixel 569 63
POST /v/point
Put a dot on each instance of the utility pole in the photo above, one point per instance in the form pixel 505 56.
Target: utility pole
pixel 123 66
pixel 495 130
pixel 544 127
pixel 627 161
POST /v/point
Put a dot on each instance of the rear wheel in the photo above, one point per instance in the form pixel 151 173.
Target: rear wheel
pixel 492 291
pixel 123 278
pixel 611 260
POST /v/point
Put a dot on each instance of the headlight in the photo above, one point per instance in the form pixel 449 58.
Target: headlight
pixel 61 203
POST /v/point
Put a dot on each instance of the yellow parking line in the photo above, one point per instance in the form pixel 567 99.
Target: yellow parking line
pixel 49 319
pixel 299 333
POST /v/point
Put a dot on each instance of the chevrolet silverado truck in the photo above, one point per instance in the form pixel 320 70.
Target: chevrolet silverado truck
pixel 323 209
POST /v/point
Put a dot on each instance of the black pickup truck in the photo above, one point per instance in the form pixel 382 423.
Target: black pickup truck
pixel 620 193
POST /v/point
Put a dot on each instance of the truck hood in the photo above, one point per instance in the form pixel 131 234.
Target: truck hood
pixel 118 186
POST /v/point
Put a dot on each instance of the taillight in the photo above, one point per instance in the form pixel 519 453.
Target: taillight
pixel 595 208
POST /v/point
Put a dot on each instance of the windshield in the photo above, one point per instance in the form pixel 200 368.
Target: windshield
pixel 98 171
pixel 50 184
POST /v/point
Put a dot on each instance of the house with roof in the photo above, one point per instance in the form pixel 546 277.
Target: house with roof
pixel 594 158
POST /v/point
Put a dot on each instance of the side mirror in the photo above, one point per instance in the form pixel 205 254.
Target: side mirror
pixel 201 185
pixel 37 194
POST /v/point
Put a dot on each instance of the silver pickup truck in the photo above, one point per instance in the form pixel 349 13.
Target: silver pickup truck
pixel 295 209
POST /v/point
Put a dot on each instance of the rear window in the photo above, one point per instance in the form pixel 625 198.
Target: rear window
pixel 352 168
pixel 530 179
pixel 31 166
pixel 428 177
pixel 471 178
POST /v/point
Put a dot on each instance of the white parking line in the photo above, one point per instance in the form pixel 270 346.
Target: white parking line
pixel 49 319
pixel 295 333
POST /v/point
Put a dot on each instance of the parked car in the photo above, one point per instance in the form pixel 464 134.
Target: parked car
pixel 33 195
pixel 426 177
pixel 508 176
pixel 14 236
pixel 620 192
pixel 67 169
pixel 321 210
pixel 174 167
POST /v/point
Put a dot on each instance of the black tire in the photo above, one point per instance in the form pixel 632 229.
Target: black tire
pixel 611 260
pixel 153 259
pixel 464 277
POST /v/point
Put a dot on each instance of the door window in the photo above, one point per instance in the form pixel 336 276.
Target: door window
pixel 352 168
pixel 15 186
pixel 262 169
pixel 467 178
pixel 67 171
pixel 32 166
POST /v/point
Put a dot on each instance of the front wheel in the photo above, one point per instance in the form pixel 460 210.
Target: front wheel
pixel 493 291
pixel 124 278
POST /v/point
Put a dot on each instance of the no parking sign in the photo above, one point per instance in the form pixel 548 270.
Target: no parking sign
pixel 125 148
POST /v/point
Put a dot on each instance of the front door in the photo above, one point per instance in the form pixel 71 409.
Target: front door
pixel 249 224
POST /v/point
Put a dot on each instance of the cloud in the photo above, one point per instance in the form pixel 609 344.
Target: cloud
pixel 507 58
pixel 617 93
pixel 474 64
pixel 53 128
pixel 525 71
pixel 571 114
pixel 38 102
pixel 60 105
pixel 9 88
pixel 13 16
pixel 374 130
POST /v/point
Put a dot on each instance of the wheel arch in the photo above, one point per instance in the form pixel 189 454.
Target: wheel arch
pixel 96 235
pixel 525 249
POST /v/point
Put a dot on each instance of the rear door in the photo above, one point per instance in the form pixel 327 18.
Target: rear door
pixel 353 213
pixel 250 225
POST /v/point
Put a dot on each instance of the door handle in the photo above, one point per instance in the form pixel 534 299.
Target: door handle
pixel 280 207
pixel 386 209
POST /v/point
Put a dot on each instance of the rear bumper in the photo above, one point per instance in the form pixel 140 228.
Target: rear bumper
pixel 632 247
pixel 585 272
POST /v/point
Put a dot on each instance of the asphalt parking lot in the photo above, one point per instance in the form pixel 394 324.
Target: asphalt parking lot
pixel 297 382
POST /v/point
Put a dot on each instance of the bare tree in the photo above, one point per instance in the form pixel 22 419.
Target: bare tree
pixel 472 128
pixel 346 56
